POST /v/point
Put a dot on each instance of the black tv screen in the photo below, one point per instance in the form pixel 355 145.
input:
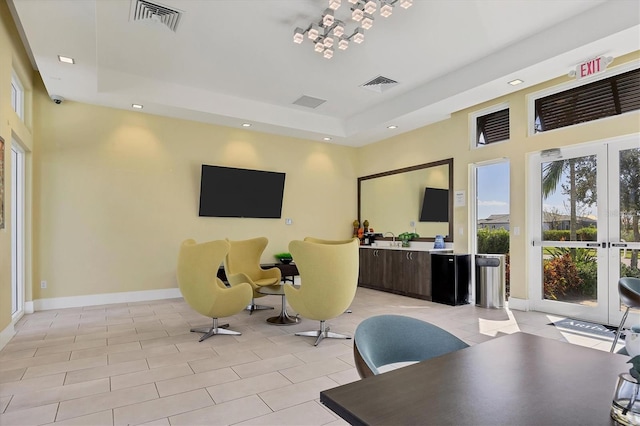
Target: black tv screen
pixel 435 205
pixel 232 192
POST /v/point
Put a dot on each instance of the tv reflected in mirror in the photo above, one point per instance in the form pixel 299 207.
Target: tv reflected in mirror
pixel 246 193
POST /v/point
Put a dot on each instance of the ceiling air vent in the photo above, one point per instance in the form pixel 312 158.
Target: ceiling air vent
pixel 143 10
pixel 309 101
pixel 379 84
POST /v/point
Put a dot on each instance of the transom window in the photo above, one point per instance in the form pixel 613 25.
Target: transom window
pixel 490 125
pixel 493 127
pixel 604 98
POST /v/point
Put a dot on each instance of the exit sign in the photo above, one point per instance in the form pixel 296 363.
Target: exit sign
pixel 591 67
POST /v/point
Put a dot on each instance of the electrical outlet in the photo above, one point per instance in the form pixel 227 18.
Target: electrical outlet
pixel 288 221
pixel 43 284
pixel 412 224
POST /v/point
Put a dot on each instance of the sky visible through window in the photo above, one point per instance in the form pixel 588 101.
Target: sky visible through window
pixel 493 193
pixel 493 189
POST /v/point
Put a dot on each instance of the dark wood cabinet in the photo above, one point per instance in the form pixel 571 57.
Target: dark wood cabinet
pixel 375 270
pixel 415 274
pixel 405 272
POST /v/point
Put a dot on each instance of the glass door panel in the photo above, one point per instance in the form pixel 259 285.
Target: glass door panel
pixel 570 226
pixel 570 230
pixel 625 233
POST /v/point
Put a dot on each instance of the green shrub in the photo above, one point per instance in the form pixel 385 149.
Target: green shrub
pixel 588 273
pixel 561 277
pixel 493 241
pixel 583 234
pixel 627 271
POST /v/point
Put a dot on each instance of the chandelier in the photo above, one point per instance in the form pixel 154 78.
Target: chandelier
pixel 330 32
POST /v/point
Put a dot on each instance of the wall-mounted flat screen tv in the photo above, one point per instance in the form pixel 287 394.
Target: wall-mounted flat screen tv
pixel 435 205
pixel 232 192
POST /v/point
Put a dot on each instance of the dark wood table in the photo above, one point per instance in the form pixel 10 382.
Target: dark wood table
pixel 518 379
pixel 288 271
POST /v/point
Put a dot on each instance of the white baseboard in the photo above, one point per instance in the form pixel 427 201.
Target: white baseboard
pixel 28 308
pixel 6 335
pixel 104 299
pixel 518 304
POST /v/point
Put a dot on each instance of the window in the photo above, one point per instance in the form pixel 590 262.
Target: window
pixel 17 96
pixel 611 96
pixel 490 125
pixel 493 127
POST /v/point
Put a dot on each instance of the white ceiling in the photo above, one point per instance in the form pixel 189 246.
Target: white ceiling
pixel 234 61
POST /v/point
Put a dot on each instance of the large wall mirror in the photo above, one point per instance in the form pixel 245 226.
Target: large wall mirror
pixel 420 195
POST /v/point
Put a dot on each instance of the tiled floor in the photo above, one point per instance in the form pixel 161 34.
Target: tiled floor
pixel 139 364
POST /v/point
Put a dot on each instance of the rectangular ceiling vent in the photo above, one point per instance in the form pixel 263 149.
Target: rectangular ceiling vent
pixel 309 101
pixel 379 84
pixel 143 10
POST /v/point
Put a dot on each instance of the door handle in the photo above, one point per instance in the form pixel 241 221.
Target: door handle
pixel 618 244
pixel 596 244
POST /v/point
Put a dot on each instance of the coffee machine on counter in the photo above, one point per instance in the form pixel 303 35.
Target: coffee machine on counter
pixel 369 237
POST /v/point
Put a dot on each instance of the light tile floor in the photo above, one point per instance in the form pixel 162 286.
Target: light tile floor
pixel 137 363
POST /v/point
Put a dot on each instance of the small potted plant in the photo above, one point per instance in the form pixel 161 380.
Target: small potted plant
pixel 405 237
pixel 284 257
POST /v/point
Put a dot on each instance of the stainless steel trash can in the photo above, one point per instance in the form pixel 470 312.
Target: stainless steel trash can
pixel 490 280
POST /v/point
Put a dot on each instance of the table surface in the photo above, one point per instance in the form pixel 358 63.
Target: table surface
pixel 518 379
pixel 287 270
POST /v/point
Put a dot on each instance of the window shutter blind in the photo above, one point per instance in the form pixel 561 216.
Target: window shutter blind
pixel 604 98
pixel 494 127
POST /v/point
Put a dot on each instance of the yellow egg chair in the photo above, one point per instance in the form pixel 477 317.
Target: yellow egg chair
pixel 242 265
pixel 323 241
pixel 201 288
pixel 328 283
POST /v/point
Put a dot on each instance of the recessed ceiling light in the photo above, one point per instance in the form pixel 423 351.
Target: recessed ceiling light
pixel 516 82
pixel 136 106
pixel 326 138
pixel 246 125
pixel 66 59
pixel 393 126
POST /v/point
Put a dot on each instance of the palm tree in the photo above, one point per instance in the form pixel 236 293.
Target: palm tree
pixel 551 175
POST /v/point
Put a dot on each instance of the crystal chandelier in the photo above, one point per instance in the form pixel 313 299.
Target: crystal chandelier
pixel 329 32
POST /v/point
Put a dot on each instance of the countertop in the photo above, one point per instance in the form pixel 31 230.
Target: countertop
pixel 419 246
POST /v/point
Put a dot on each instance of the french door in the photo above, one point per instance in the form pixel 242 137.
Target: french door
pixel 584 228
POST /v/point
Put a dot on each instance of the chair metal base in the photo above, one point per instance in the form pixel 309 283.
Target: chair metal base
pixel 215 329
pixel 615 340
pixel 322 333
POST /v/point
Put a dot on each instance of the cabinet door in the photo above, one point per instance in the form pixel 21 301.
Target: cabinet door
pixel 419 284
pixel 396 273
pixel 373 268
pixel 411 273
pixel 366 264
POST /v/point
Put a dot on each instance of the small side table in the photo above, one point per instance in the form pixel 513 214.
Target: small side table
pixel 283 318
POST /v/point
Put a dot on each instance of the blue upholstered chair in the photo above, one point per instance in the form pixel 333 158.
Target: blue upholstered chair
pixel 389 339
pixel 629 291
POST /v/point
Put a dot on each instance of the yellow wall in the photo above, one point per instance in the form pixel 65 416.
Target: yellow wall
pixel 13 58
pixel 118 191
pixel 451 138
